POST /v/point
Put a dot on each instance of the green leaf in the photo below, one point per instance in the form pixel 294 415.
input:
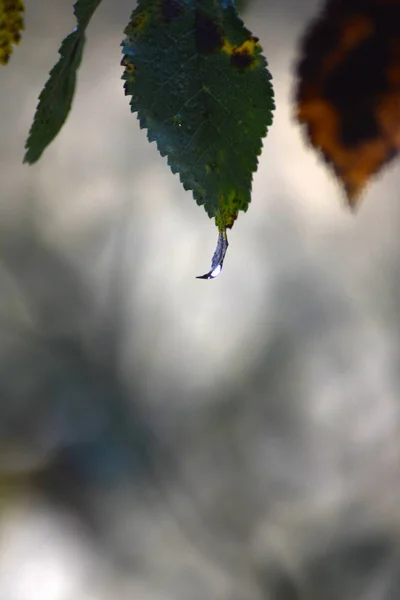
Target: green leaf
pixel 55 100
pixel 201 87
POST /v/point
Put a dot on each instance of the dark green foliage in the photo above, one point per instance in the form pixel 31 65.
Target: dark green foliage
pixel 56 98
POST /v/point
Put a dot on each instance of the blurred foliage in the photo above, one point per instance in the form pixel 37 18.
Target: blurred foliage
pixel 63 402
pixel 11 25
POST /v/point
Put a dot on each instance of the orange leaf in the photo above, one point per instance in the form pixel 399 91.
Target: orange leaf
pixel 348 90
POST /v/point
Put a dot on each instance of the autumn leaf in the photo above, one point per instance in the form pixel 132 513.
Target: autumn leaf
pixel 200 85
pixel 11 25
pixel 348 89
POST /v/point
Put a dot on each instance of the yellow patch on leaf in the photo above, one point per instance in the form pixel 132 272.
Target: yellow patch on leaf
pixel 243 56
pixel 11 25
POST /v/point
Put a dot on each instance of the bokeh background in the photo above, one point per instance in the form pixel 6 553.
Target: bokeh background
pixel 163 437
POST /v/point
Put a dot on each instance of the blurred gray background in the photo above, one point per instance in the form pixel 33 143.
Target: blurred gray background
pixel 163 437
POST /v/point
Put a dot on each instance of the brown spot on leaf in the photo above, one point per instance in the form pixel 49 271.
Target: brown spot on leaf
pixel 232 220
pixel 171 10
pixel 208 34
pixel 241 60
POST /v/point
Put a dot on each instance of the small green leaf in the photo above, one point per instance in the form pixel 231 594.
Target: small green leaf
pixel 55 100
pixel 201 87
